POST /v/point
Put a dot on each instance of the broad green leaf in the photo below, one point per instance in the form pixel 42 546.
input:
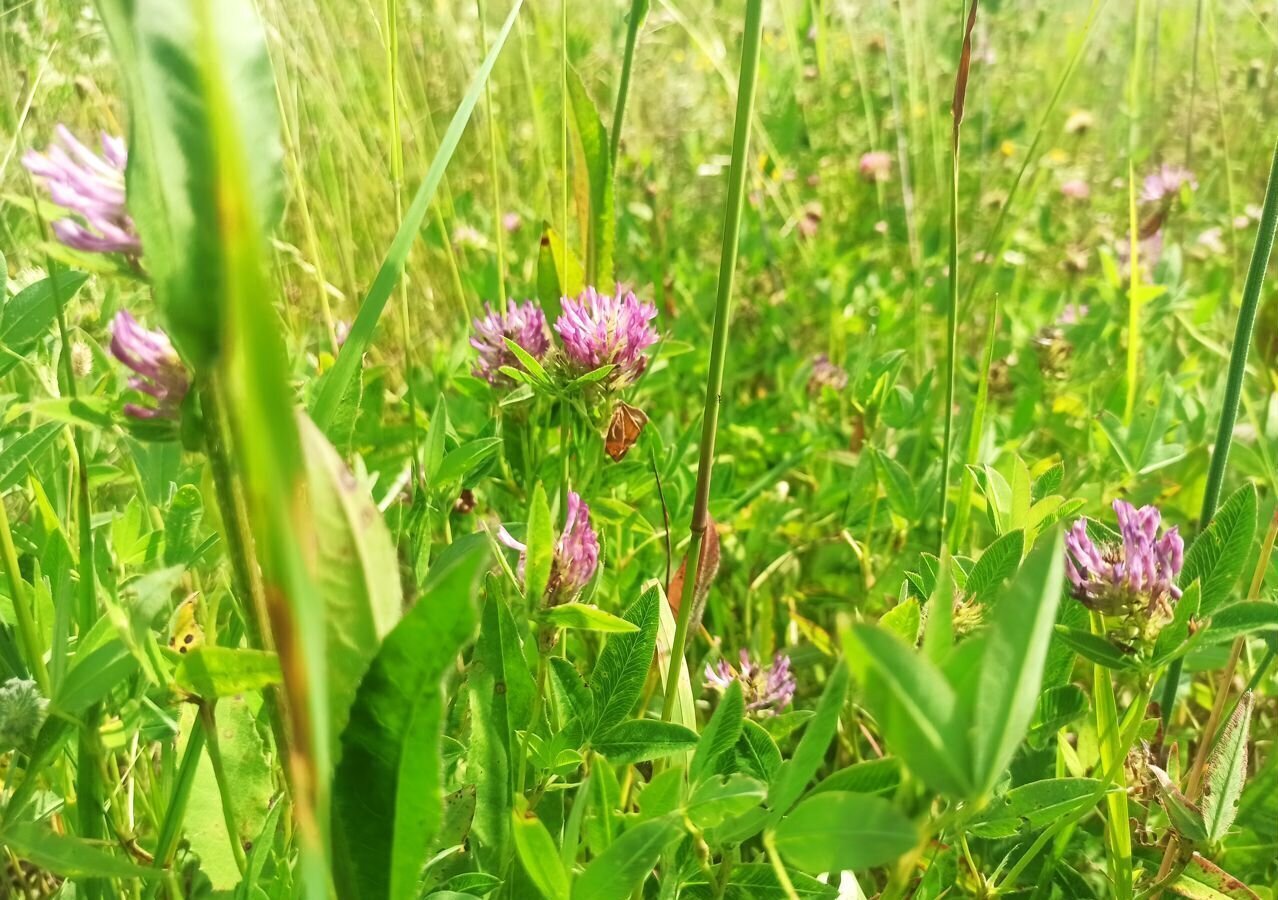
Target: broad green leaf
pixel 898 485
pixel 182 524
pixel 1237 619
pixel 67 856
pixel 539 855
pixel 641 739
pixel 1095 648
pixel 464 460
pixel 724 797
pixel 794 774
pixel 1226 772
pixel 685 709
pixel 874 776
pixel 627 862
pixel 93 676
pixel 1174 638
pixel 998 563
pixel 212 672
pixel 1057 708
pixel 903 620
pixel 938 634
pixel 756 752
pixel 1202 879
pixel 351 356
pixel 356 570
pixel 915 706
pixel 559 274
pixel 387 793
pixel 758 881
pixel 586 617
pixel 540 541
pixel 575 698
pixel 719 736
pixel 30 313
pixel 1185 817
pixel 17 455
pixel 623 665
pixel 664 794
pixel 249 772
pixel 1016 643
pixel 592 144
pixel 838 830
pixel 1218 556
pixel 1036 805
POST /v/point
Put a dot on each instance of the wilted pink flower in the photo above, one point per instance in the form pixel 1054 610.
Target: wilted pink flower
pixel 511 222
pixel 92 188
pixel 766 690
pixel 1166 182
pixel 1076 189
pixel 826 374
pixel 876 166
pixel 599 329
pixel 524 323
pixel 576 552
pixel 1210 240
pixel 158 370
pixel 1135 577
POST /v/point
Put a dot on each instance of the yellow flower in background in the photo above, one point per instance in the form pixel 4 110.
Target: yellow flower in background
pixel 1007 148
pixel 1057 156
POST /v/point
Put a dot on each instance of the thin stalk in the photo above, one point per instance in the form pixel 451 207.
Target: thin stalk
pixel 719 336
pixel 28 634
pixel 951 314
pixel 976 429
pixel 1133 297
pixel 494 182
pixel 783 877
pixel 638 12
pixel 171 828
pixel 1233 384
pixel 1118 835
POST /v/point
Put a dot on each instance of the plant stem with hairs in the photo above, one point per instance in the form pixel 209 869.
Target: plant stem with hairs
pixel 719 337
pixel 638 12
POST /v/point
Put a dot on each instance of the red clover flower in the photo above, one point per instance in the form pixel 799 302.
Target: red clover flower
pixel 92 188
pixel 158 370
pixel 576 552
pixel 599 329
pixel 524 323
pixel 767 690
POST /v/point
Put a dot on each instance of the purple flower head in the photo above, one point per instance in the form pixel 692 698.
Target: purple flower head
pixel 599 329
pixel 826 374
pixel 91 187
pixel 158 371
pixel 1072 314
pixel 524 323
pixel 576 552
pixel 767 690
pixel 1135 577
pixel 1166 182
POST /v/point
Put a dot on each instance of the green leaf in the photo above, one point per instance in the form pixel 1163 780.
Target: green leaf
pixel 758 881
pixel 794 774
pixel 592 144
pixel 903 620
pixel 31 313
pixel 1036 805
pixel 720 735
pixel 839 830
pixel 539 855
pixel 623 665
pixel 18 454
pixel 387 792
pixel 1185 817
pixel 627 862
pixel 756 752
pixel 915 706
pixel 1238 619
pixel 540 541
pixel 559 274
pixel 1057 707
pixel 1218 556
pixel 212 672
pixel 351 356
pixel 1095 648
pixel 720 798
pixel 898 485
pixel 93 676
pixel 356 570
pixel 1011 672
pixel 464 460
pixel 574 697
pixel 873 776
pixel 201 88
pixel 664 794
pixel 1174 639
pixel 586 617
pixel 1226 772
pixel 1202 879
pixel 998 563
pixel 642 739
pixel 67 856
